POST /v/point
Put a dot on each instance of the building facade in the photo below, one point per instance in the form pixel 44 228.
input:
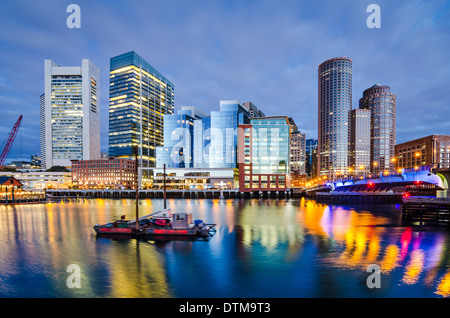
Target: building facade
pixel 202 141
pixel 42 128
pixel 359 142
pixel 298 154
pixel 70 114
pixel 311 158
pixel 178 150
pixel 194 178
pixel 433 151
pixel 40 180
pixel 139 97
pixel 264 155
pixel 382 103
pixel 224 124
pixel 253 110
pixel 335 101
pixel 104 174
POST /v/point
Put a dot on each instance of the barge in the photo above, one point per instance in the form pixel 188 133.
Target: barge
pixel 162 223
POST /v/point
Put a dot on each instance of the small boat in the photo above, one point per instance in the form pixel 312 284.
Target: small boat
pixel 158 224
pixel 161 223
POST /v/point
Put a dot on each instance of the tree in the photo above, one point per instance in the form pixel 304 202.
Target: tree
pixel 57 169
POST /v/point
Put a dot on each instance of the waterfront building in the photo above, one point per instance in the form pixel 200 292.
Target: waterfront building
pixel 359 142
pixel 194 178
pixel 335 101
pixel 179 132
pixel 104 174
pixel 311 158
pixel 34 179
pixel 70 114
pixel 264 154
pixel 224 124
pixel 432 151
pixel 382 103
pixel 139 97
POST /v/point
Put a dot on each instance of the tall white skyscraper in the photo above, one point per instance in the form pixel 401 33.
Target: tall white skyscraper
pixel 71 113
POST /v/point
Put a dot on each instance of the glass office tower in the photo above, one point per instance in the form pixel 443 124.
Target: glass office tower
pixel 139 98
pixel 382 103
pixel 224 124
pixel 335 101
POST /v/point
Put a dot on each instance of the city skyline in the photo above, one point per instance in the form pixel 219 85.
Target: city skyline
pixel 215 51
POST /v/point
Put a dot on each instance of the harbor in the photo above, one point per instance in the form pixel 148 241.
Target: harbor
pixel 262 248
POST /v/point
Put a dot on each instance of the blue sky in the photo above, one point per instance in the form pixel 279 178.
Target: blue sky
pixel 262 51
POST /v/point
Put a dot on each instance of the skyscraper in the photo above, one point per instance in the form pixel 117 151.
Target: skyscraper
pixel 382 103
pixel 335 101
pixel 139 97
pixel 71 113
pixel 359 142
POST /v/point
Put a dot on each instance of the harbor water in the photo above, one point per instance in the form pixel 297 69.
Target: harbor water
pixel 294 248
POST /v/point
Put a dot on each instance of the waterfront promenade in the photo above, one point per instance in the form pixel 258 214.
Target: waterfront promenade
pixel 159 194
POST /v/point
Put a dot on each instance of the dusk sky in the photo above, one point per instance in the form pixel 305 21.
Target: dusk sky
pixel 266 52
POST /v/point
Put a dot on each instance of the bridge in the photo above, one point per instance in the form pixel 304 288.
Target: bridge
pixel 423 178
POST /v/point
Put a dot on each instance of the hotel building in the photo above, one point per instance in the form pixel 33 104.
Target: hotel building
pixel 264 154
pixel 70 114
pixel 382 103
pixel 335 101
pixel 139 97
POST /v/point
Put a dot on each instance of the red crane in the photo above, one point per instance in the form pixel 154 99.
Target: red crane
pixel 9 141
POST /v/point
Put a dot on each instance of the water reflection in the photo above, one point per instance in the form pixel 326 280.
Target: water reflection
pixel 263 248
pixel 358 239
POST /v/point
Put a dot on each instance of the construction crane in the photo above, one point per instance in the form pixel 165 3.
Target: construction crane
pixel 12 135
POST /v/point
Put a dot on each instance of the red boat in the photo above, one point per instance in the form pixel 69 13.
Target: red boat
pixel 161 223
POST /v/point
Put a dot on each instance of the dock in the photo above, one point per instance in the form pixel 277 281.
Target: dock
pixel 426 211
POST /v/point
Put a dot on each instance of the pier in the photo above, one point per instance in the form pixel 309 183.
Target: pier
pixel 426 211
pixel 173 194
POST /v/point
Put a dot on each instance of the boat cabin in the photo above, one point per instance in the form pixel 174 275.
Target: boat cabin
pixel 181 220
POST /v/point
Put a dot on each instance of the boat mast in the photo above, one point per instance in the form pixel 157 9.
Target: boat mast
pixel 164 174
pixel 136 186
